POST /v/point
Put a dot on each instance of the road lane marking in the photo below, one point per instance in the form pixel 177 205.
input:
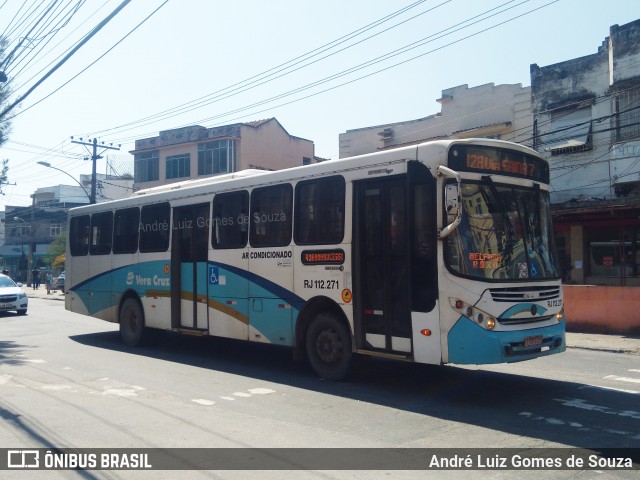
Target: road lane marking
pixel 583 405
pixel 578 426
pixel 600 387
pixel 623 379
pixel 202 401
pixel 261 391
pixel 122 392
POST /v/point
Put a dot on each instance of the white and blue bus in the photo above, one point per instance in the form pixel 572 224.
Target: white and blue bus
pixel 435 253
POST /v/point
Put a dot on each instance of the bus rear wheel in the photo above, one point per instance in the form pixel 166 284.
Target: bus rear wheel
pixel 328 345
pixel 131 322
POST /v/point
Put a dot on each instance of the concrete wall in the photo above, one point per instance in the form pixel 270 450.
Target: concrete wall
pixel 270 147
pixel 602 309
pixel 485 111
pixel 589 83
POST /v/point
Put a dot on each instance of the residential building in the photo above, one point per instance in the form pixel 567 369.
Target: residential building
pixel 489 111
pixel 196 152
pixel 586 114
pixel 28 231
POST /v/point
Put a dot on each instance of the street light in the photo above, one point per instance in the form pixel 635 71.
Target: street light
pixel 48 165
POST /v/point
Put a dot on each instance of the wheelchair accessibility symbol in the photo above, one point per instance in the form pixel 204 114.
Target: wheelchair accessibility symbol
pixel 214 276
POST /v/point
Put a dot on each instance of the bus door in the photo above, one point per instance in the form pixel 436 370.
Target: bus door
pixel 189 273
pixel 394 258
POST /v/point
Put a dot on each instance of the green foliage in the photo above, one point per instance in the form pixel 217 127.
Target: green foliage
pixel 3 173
pixel 56 251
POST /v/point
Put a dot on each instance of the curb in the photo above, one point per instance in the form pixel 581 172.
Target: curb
pixel 48 297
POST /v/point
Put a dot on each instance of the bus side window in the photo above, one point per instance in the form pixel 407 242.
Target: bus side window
pixel 271 216
pixel 125 230
pixel 79 228
pixel 230 223
pixel 155 227
pixel 101 233
pixel 319 208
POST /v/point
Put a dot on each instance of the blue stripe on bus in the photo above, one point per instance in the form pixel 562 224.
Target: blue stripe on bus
pixel 471 344
pixel 126 277
pixel 522 308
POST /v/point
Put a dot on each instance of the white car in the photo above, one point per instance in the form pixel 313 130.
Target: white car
pixel 59 283
pixel 12 296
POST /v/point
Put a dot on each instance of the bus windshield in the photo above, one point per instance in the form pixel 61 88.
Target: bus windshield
pixel 505 234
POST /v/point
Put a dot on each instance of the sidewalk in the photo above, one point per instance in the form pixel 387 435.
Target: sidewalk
pixel 588 341
pixel 605 343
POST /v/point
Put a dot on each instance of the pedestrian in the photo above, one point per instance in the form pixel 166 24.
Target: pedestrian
pixel 49 282
pixel 36 279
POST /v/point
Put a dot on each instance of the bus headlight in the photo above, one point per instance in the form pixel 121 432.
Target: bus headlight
pixel 560 316
pixel 473 313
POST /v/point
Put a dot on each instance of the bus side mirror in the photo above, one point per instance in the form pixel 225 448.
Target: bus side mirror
pixel 451 196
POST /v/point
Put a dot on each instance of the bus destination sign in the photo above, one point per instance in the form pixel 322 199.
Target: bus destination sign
pixel 498 161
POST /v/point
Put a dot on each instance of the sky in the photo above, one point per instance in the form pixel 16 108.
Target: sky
pixel 320 68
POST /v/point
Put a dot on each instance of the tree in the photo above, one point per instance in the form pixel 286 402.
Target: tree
pixel 56 253
pixel 4 124
pixel 3 173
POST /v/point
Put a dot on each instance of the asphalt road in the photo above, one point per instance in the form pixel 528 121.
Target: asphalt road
pixel 67 381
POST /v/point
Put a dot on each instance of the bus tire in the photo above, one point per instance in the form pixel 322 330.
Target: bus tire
pixel 328 345
pixel 131 322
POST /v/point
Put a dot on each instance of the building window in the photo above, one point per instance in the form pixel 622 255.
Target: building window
pixel 569 132
pixel 306 161
pixel 55 230
pixel 216 157
pixel 21 231
pixel 614 253
pixel 178 166
pixel 146 166
pixel 628 115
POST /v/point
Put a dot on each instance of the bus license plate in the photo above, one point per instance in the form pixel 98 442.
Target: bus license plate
pixel 533 341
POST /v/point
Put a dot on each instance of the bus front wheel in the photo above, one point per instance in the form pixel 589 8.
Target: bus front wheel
pixel 131 322
pixel 328 345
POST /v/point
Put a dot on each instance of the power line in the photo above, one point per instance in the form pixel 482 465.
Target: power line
pixel 361 66
pixel 261 77
pixel 69 55
pixel 94 62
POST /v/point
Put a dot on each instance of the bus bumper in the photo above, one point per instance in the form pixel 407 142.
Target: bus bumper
pixel 472 344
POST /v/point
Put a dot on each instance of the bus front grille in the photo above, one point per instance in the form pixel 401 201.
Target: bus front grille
pixel 524 294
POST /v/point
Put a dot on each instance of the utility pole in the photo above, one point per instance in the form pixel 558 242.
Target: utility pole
pixel 94 158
